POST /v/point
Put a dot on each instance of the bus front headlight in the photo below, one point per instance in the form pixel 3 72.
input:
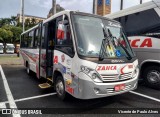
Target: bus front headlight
pixel 135 72
pixel 91 73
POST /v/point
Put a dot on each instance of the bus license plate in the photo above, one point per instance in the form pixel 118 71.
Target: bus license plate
pixel 119 87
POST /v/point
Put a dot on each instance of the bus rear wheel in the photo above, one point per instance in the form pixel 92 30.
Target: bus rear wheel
pixel 152 76
pixel 28 69
pixel 60 88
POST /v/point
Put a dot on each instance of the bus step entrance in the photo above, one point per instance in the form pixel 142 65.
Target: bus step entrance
pixel 49 79
pixel 44 85
pixel 47 84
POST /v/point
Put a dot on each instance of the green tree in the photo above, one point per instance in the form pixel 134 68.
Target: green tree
pixel 33 21
pixel 13 20
pixel 5 21
pixel 7 27
pixel 27 22
pixel 6 35
pixel 2 34
pixel 16 33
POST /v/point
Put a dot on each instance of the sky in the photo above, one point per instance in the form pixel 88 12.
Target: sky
pixel 41 8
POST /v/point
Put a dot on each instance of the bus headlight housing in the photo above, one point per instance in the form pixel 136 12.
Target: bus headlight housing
pixel 135 72
pixel 91 73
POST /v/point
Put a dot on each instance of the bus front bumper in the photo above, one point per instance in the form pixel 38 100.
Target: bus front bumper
pixel 89 89
pixel 9 52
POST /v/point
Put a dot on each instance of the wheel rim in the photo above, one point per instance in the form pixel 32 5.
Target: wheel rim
pixel 60 87
pixel 153 76
pixel 28 70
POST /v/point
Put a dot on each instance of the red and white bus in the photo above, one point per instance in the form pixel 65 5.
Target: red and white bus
pixel 142 26
pixel 79 54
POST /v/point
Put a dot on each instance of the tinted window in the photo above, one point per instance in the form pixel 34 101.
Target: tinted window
pixel 43 38
pixel 140 23
pixel 22 41
pixel 36 34
pixel 30 39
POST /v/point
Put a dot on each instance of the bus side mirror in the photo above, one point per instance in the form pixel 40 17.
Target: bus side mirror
pixel 65 22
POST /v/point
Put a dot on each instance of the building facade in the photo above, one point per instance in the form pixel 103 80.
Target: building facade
pixel 30 17
pixel 102 7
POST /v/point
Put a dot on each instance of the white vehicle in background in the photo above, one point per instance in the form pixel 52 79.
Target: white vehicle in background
pixel 79 54
pixel 1 48
pixel 142 26
pixel 10 48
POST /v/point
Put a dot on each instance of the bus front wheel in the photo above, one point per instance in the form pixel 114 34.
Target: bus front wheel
pixel 152 76
pixel 60 88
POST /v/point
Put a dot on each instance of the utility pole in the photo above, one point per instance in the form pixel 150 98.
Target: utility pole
pixel 22 4
pixel 121 7
pixel 54 7
pixel 141 1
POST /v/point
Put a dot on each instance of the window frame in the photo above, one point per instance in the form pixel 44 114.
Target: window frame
pixel 57 46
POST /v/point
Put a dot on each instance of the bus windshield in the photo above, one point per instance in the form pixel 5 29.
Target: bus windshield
pixel 10 46
pixel 90 35
pixel 1 46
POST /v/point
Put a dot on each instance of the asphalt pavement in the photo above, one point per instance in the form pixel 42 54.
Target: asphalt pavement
pixel 27 95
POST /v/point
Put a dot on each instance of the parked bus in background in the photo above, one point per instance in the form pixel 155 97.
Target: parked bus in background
pixel 80 54
pixel 1 48
pixel 142 26
pixel 10 48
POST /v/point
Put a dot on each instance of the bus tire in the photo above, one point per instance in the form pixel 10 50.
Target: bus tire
pixel 29 72
pixel 60 88
pixel 151 76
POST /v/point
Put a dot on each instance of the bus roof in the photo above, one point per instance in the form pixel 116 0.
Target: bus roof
pixel 49 19
pixel 135 9
pixel 65 12
pixel 9 44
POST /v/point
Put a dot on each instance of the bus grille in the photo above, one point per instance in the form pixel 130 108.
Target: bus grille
pixel 116 77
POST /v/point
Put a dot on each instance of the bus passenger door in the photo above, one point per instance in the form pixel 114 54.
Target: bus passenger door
pixel 46 50
pixel 42 51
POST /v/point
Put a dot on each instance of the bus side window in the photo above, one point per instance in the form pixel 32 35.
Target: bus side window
pixel 51 34
pixel 43 38
pixel 30 39
pixel 26 40
pixel 64 37
pixel 22 41
pixel 35 43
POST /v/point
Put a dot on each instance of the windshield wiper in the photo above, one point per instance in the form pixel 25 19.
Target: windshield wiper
pixel 104 42
pixel 126 51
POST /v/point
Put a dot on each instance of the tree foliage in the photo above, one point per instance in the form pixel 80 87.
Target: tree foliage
pixel 10 34
pixel 9 30
pixel 6 35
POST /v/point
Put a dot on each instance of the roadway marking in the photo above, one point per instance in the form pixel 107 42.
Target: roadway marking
pixel 29 98
pixel 34 97
pixel 145 96
pixel 2 105
pixel 10 98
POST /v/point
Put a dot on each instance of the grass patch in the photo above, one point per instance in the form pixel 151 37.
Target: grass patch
pixel 9 57
pixel 10 60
